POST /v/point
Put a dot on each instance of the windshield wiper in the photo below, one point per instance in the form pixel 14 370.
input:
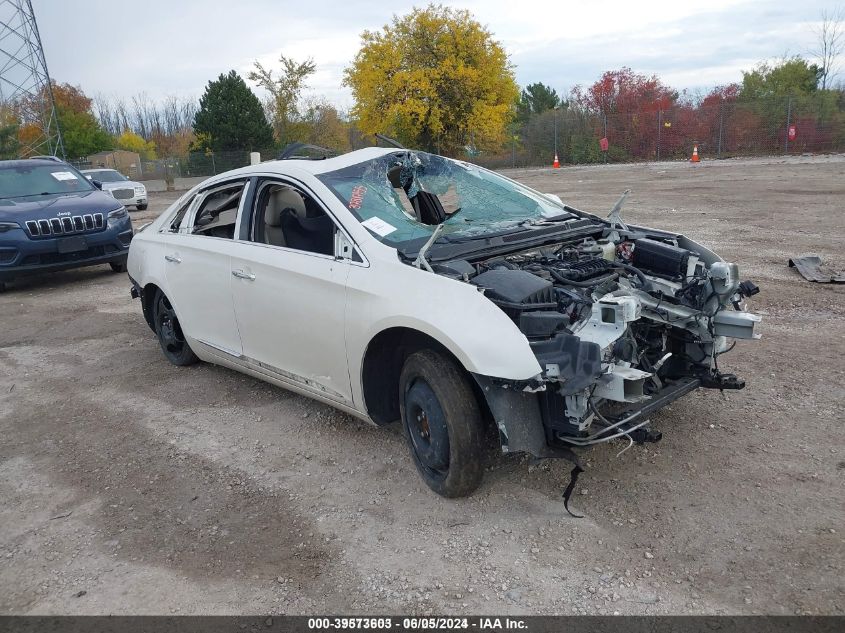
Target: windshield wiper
pixel 43 193
pixel 421 261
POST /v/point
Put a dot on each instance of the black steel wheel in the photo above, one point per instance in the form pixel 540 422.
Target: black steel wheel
pixel 169 332
pixel 442 423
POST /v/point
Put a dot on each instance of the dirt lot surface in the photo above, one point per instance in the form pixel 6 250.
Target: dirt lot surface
pixel 128 485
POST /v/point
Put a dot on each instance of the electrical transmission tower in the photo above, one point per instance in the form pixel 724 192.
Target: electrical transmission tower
pixel 25 87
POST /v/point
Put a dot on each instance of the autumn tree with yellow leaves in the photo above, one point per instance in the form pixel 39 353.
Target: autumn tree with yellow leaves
pixel 436 80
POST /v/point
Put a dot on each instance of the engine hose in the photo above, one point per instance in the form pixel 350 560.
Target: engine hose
pixel 581 284
pixel 631 269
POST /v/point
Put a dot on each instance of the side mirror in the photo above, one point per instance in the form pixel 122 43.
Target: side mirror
pixel 97 184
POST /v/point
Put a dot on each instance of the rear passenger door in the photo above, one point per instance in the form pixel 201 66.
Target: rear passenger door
pixel 289 291
pixel 197 265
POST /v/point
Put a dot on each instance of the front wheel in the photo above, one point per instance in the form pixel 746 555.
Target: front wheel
pixel 442 423
pixel 169 332
pixel 141 207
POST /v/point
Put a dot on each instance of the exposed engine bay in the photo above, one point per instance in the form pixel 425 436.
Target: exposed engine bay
pixel 622 324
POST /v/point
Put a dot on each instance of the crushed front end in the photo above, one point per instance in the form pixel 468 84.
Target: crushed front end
pixel 622 323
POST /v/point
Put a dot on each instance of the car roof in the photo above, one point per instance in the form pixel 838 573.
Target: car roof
pixel 321 166
pixel 339 162
pixel 303 166
pixel 20 162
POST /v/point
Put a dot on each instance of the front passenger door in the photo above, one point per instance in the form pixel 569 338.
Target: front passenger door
pixel 289 293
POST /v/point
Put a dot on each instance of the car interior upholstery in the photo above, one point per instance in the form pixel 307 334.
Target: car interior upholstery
pixel 296 221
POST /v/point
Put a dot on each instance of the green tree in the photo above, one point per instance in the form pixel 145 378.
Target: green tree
pixel 285 91
pixel 82 134
pixel 230 117
pixel 537 98
pixel 791 77
pixel 435 79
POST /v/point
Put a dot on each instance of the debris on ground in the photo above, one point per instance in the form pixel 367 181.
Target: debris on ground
pixel 810 268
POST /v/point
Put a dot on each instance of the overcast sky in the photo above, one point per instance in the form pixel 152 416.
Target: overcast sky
pixel 164 47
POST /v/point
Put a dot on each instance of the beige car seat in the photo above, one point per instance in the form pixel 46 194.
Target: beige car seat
pixel 280 200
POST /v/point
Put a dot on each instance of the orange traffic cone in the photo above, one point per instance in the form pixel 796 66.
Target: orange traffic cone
pixel 556 164
pixel 695 158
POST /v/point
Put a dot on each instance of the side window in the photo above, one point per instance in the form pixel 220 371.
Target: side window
pixel 218 213
pixel 176 222
pixel 286 216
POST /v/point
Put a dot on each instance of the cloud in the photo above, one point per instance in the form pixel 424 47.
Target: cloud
pixel 117 47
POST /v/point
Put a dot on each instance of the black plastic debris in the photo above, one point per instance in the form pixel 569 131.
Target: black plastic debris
pixel 810 268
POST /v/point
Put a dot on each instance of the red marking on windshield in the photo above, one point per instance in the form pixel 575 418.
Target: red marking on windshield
pixel 357 198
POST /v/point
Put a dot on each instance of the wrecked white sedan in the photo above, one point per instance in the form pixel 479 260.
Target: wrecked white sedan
pixel 400 285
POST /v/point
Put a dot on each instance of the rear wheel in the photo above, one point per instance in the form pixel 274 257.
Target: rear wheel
pixel 2 286
pixel 118 267
pixel 442 423
pixel 169 332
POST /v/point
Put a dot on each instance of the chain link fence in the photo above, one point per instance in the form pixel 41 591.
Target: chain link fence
pixel 792 125
pixel 720 129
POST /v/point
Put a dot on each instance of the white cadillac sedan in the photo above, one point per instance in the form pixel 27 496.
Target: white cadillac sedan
pixel 400 285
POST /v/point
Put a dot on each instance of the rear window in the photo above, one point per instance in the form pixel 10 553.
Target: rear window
pixel 24 179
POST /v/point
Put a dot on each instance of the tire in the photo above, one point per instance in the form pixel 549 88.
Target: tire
pixel 442 423
pixel 2 286
pixel 141 207
pixel 118 267
pixel 169 332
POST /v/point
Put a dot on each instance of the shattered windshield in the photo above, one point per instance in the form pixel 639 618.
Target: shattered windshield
pixel 403 196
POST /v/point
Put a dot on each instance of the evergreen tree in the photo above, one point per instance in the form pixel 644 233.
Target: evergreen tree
pixel 536 99
pixel 230 117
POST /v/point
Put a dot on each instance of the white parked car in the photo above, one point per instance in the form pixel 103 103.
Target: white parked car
pixel 400 285
pixel 128 192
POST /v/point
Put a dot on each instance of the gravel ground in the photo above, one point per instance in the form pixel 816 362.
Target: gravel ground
pixel 128 485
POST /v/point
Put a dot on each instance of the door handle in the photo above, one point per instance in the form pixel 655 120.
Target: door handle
pixel 242 275
pixel 173 258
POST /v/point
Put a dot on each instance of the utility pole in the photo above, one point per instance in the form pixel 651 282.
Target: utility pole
pixel 25 85
pixel 721 115
pixel 788 121
pixel 659 125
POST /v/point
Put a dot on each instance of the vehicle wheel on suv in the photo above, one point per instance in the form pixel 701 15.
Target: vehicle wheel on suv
pixel 2 286
pixel 442 423
pixel 141 207
pixel 169 332
pixel 118 267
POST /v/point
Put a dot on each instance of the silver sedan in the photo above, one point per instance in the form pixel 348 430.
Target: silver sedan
pixel 128 192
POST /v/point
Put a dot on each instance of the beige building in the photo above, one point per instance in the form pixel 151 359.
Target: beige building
pixel 127 163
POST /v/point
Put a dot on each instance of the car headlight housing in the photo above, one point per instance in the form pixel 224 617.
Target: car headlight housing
pixel 8 226
pixel 118 214
pixel 140 190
